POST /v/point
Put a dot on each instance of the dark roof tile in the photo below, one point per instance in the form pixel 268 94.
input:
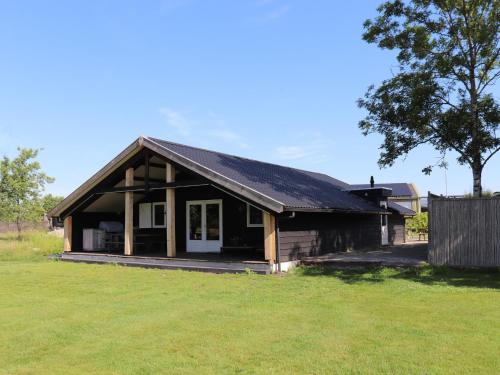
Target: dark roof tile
pixel 400 209
pixel 294 188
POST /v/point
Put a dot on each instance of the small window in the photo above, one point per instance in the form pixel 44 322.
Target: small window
pixel 159 215
pixel 255 217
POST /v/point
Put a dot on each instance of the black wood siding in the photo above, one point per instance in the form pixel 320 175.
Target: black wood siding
pixel 397 229
pixel 319 233
pixel 235 231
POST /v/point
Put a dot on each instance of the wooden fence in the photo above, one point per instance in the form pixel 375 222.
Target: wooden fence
pixel 464 232
pixel 12 227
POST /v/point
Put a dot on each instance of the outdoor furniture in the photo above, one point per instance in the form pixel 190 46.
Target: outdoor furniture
pixel 422 236
pixel 114 241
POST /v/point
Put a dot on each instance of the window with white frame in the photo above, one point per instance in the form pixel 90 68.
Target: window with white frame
pixel 255 217
pixel 159 215
pixel 153 215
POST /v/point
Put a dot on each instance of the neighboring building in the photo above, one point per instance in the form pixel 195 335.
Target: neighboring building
pixel 404 194
pixel 395 224
pixel 424 204
pixel 158 198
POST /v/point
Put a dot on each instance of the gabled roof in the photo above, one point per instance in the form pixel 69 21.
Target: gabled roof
pixel 399 189
pixel 293 188
pixel 273 186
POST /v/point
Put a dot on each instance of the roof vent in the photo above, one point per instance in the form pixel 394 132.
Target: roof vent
pixel 372 182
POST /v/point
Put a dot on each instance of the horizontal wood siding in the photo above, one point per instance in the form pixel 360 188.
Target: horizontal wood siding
pixel 397 229
pixel 234 215
pixel 318 233
pixel 464 232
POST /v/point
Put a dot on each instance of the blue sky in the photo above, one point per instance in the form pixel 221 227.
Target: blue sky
pixel 274 80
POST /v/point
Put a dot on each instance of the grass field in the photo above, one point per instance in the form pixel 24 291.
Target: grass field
pixel 64 318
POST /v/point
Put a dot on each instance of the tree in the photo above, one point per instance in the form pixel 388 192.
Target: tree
pixel 49 201
pixel 418 223
pixel 448 57
pixel 21 184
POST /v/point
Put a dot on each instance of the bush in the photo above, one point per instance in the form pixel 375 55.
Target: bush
pixel 418 223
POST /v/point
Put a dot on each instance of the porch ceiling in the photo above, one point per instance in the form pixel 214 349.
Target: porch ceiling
pixel 111 202
pixel 156 173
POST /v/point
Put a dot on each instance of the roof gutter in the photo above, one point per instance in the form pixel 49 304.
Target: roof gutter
pixel 335 210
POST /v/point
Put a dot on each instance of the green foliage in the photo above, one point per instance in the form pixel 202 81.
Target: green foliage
pixel 50 201
pixel 21 185
pixel 486 194
pixel 418 223
pixel 448 55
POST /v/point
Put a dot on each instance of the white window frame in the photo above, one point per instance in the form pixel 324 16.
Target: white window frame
pixel 250 225
pixel 384 219
pixel 153 220
pixel 204 245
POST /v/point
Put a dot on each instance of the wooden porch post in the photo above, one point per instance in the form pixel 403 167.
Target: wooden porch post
pixel 129 213
pixel 171 245
pixel 270 237
pixel 68 234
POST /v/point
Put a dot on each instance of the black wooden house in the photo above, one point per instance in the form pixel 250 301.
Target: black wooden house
pixel 161 199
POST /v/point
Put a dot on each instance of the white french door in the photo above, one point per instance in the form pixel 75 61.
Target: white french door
pixel 204 226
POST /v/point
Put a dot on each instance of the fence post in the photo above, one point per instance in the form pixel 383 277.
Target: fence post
pixel 429 225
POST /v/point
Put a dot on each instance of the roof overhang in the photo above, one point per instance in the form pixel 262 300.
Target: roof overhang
pixel 144 142
pixel 336 210
pixel 119 160
pixel 401 210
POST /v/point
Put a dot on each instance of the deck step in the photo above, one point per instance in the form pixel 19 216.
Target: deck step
pixel 170 264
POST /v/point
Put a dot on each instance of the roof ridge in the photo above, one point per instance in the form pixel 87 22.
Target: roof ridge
pixel 242 157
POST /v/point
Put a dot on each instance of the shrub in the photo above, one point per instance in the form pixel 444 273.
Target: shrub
pixel 418 223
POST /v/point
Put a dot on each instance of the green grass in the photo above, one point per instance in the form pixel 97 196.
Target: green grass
pixel 65 318
pixel 33 246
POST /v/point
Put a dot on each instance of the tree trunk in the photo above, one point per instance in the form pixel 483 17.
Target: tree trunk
pixel 476 175
pixel 19 227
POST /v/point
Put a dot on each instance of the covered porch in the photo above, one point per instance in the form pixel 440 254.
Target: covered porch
pixel 152 207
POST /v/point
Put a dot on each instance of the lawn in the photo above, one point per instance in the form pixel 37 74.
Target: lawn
pixel 64 318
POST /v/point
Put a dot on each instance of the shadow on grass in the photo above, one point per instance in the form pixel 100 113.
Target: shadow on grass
pixel 426 275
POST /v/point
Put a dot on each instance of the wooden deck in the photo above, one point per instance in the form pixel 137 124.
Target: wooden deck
pixel 195 262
